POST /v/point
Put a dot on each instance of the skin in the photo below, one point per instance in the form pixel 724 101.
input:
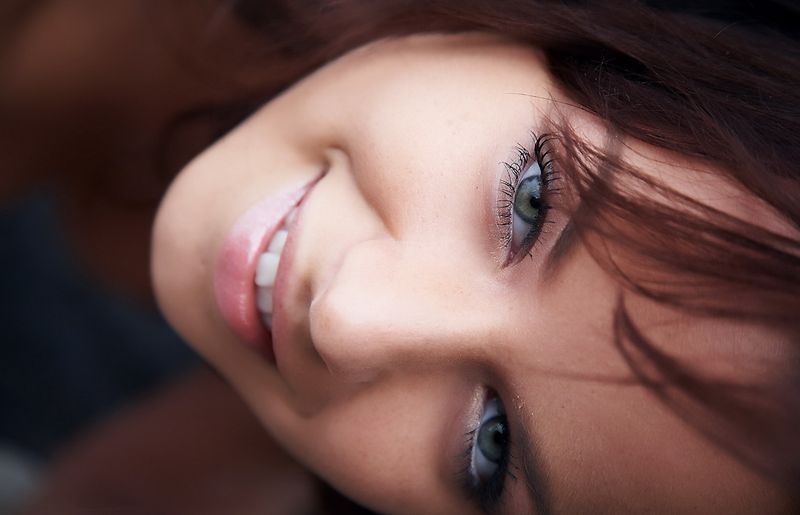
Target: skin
pixel 403 312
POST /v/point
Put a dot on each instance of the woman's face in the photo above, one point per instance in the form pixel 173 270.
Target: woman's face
pixel 428 352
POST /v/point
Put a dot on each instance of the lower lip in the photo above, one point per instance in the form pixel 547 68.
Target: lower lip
pixel 234 285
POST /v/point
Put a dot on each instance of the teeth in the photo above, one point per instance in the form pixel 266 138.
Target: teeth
pixel 267 268
pixel 264 300
pixel 278 241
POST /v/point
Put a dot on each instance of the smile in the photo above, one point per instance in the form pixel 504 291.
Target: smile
pixel 267 270
pixel 247 266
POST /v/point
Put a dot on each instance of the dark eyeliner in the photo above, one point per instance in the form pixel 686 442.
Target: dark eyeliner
pixel 542 155
pixel 487 495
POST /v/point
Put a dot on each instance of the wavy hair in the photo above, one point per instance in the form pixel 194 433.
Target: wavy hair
pixel 717 82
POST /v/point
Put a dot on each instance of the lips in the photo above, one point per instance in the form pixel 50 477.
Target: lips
pixel 235 271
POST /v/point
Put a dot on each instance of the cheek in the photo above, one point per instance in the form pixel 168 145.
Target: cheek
pixel 385 446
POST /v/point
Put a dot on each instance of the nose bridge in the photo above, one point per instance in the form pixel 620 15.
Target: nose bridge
pixel 396 304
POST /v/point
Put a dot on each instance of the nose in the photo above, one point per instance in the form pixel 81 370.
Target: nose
pixel 396 304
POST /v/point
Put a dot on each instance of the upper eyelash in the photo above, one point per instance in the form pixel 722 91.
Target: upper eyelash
pixel 485 498
pixel 542 154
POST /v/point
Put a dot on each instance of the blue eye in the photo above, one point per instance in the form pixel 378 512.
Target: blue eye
pixel 489 453
pixel 528 209
pixel 491 441
pixel 522 207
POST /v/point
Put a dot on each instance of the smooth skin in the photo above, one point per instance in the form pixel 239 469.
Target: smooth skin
pixel 402 312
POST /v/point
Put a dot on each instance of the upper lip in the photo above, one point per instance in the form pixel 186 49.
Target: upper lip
pixel 286 284
pixel 235 270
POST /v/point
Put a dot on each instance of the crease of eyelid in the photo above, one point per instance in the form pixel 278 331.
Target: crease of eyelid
pixel 455 466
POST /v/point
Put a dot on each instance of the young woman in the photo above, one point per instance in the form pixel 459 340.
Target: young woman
pixel 538 257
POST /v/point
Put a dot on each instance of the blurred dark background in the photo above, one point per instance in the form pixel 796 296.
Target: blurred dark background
pixel 101 103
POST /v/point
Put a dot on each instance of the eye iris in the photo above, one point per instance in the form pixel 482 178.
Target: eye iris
pixel 528 200
pixel 493 438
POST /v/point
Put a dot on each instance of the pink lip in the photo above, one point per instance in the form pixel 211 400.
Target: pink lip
pixel 234 285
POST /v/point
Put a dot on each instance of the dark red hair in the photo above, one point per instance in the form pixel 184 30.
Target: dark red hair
pixel 718 82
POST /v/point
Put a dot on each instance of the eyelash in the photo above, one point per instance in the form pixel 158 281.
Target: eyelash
pixel 487 495
pixel 542 154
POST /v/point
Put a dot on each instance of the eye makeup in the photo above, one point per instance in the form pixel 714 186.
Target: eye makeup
pixel 524 196
pixel 486 460
pixel 523 201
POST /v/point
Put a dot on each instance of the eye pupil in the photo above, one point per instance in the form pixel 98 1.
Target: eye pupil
pixel 527 200
pixel 493 438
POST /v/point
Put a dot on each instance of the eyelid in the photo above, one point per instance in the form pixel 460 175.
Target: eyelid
pixel 458 433
pixel 509 184
pixel 481 494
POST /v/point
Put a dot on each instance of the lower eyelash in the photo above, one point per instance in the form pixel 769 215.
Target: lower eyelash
pixel 465 477
pixel 486 496
pixel 542 154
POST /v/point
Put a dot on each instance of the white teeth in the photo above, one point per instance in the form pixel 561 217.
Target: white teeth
pixel 267 319
pixel 277 243
pixel 264 300
pixel 267 269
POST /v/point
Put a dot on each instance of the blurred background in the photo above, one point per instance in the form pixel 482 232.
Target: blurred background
pixel 102 407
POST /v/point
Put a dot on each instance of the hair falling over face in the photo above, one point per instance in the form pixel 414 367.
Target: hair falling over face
pixel 711 82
